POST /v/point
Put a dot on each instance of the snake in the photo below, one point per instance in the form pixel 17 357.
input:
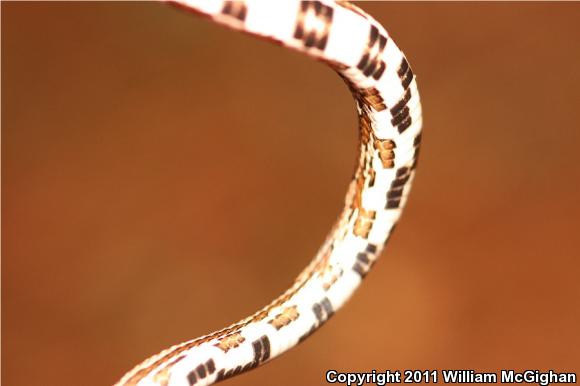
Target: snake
pixel 383 85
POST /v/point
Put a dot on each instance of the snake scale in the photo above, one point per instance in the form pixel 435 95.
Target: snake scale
pixel 389 112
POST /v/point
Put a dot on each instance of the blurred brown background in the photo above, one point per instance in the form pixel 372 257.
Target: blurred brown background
pixel 163 177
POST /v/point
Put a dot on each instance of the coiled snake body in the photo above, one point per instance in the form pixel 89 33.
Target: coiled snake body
pixel 383 85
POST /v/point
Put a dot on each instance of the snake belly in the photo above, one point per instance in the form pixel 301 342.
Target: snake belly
pixel 382 83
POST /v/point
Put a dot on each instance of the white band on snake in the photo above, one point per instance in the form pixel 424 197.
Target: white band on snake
pixel 382 83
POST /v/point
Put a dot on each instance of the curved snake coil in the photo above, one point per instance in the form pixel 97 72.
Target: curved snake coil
pixel 382 83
